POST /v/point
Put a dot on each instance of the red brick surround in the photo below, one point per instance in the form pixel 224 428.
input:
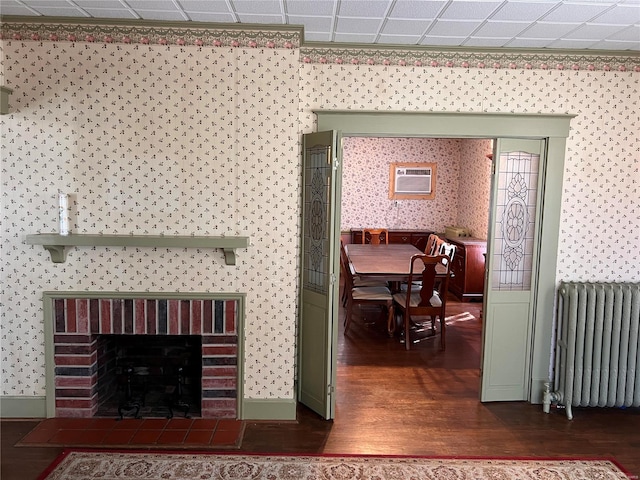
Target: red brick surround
pixel 78 322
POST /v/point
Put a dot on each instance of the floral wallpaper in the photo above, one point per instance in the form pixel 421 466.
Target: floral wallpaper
pixel 600 205
pixel 475 186
pixel 462 197
pixel 173 131
pixel 152 139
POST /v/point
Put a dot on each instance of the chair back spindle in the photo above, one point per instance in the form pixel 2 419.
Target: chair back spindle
pixel 375 236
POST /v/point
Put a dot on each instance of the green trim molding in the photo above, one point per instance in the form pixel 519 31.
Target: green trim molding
pixel 251 408
pixel 22 407
pixel 552 127
pixel 55 244
pixel 4 100
pixel 269 409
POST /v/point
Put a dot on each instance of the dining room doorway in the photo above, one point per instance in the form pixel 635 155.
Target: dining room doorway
pixel 460 197
pixel 550 131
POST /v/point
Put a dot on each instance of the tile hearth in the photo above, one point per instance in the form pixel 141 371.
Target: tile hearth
pixel 172 433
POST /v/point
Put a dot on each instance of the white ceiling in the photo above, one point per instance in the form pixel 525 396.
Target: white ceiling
pixel 564 24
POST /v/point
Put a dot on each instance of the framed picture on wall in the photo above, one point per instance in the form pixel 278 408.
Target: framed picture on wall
pixel 412 181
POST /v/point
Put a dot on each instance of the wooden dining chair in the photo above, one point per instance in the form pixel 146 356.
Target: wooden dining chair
pixel 371 295
pixel 447 249
pixel 375 236
pixel 430 249
pixel 357 281
pixel 428 299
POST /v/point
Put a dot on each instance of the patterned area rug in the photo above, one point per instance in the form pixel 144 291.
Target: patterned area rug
pixel 109 465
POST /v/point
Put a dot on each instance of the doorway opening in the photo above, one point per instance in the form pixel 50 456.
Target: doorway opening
pixel 318 292
pixel 462 198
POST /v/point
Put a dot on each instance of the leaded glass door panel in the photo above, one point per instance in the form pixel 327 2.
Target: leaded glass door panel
pixel 511 263
pixel 320 267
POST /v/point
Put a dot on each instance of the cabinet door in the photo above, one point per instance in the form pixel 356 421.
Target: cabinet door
pixel 457 267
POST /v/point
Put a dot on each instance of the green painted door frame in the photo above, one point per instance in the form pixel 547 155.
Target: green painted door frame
pixel 553 128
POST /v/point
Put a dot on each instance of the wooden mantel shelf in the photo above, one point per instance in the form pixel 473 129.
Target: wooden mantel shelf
pixel 56 243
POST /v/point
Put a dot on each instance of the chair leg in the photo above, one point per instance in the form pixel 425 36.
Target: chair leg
pixel 443 327
pixel 407 334
pixel 391 320
pixel 347 315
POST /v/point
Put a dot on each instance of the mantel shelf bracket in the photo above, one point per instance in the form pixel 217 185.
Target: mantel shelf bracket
pixel 55 244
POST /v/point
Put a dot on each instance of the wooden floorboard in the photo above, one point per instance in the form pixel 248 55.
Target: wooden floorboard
pixel 421 402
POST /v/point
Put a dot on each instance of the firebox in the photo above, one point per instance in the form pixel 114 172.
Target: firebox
pixel 149 376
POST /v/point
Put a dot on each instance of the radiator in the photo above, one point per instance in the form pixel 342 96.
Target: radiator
pixel 597 356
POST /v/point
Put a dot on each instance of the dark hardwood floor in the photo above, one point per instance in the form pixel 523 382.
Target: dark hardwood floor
pixel 421 402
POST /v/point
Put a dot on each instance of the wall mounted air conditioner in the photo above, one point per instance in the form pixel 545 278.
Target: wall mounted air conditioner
pixel 413 181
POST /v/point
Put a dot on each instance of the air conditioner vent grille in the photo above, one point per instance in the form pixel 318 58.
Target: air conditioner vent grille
pixel 412 181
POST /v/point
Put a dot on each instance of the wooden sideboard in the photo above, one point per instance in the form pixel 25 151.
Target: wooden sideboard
pixel 417 238
pixel 468 268
pixel 468 261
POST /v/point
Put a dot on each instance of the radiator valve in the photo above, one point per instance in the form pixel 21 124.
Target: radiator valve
pixel 549 397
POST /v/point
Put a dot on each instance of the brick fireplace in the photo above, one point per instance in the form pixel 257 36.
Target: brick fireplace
pixel 80 321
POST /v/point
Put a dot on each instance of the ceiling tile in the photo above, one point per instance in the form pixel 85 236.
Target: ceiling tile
pixel 575 44
pixel 619 15
pixel 463 10
pixel 110 13
pixel 529 42
pixel 102 4
pixel 353 38
pixel 48 3
pixel 630 34
pixel 500 29
pixel 266 7
pixel 574 12
pixel 593 32
pixel 359 25
pixel 411 9
pixel 314 24
pixel 360 8
pixel 15 9
pixel 615 45
pixel 152 4
pixel 212 17
pixel 400 39
pixel 548 30
pixel 405 27
pixel 486 42
pixel 167 15
pixel 522 11
pixel 216 6
pixel 317 36
pixel 443 41
pixel 60 11
pixel 255 19
pixel 315 7
pixel 451 28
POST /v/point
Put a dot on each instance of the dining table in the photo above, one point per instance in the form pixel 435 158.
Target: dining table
pixel 390 262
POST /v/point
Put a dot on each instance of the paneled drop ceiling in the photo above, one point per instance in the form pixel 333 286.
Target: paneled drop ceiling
pixel 528 24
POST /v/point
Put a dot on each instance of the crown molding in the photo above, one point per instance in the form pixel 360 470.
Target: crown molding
pixel 149 32
pixel 404 56
pixel 200 34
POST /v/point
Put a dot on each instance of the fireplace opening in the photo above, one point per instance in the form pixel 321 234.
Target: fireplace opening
pixel 149 376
